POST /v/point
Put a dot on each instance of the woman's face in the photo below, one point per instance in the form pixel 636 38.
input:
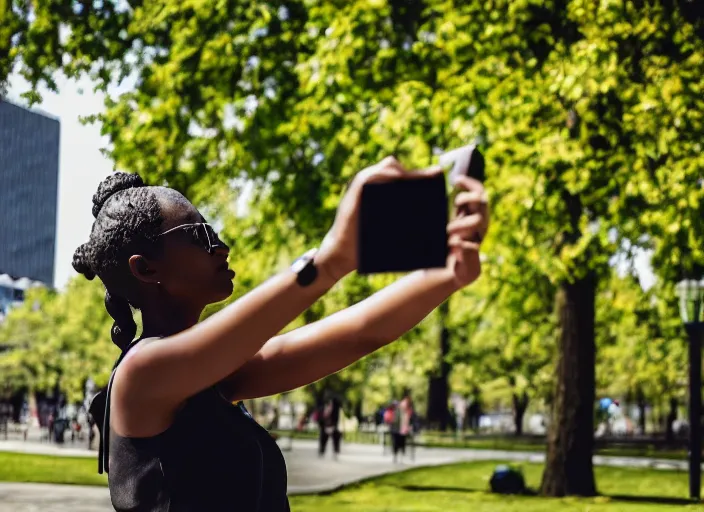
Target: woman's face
pixel 193 268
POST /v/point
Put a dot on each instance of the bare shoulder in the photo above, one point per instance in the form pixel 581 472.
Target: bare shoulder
pixel 133 413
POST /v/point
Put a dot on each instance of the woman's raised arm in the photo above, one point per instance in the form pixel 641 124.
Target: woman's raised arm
pixel 163 373
pixel 314 351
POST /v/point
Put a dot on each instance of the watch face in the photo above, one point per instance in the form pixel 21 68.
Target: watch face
pixel 307 275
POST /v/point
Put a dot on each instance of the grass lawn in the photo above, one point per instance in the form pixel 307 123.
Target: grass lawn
pixel 443 489
pixel 21 467
pixel 463 487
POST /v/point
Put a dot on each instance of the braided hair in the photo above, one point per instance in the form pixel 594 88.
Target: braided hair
pixel 128 219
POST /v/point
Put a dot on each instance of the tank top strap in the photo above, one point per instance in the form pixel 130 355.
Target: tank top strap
pixel 104 444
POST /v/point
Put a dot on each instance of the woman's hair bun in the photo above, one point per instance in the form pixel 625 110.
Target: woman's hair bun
pixel 111 185
pixel 81 262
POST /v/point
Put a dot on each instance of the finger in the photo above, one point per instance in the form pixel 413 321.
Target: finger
pixel 464 224
pixel 471 227
pixel 384 170
pixel 464 245
pixel 471 202
pixel 474 235
pixel 395 171
pixel 466 183
pixel 429 172
pixel 455 246
pixel 414 174
pixel 461 249
pixel 471 198
pixel 390 163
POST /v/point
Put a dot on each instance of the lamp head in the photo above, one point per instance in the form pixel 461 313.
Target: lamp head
pixel 691 293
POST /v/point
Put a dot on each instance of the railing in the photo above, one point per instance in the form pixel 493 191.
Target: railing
pixel 638 445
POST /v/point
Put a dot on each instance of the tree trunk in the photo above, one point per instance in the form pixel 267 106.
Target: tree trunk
pixel 17 401
pixel 671 418
pixel 438 395
pixel 642 404
pixel 358 411
pixel 659 417
pixel 568 468
pixel 520 404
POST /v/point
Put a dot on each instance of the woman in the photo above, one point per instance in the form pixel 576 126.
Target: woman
pixel 174 439
pixel 401 427
pixel 328 425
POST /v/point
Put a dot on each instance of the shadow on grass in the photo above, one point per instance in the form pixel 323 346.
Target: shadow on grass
pixel 442 488
pixel 655 500
pixel 439 488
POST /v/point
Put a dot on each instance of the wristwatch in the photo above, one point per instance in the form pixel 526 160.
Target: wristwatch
pixel 305 269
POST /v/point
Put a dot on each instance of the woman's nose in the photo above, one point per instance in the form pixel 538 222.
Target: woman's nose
pixel 223 249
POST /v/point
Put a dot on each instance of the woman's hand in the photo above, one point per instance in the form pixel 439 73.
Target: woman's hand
pixel 338 252
pixel 467 230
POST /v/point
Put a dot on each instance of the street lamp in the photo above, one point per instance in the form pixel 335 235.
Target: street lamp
pixel 691 294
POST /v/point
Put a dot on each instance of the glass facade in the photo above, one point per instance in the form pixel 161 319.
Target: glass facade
pixel 29 172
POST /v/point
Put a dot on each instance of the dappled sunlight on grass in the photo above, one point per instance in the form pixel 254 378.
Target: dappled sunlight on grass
pixel 463 487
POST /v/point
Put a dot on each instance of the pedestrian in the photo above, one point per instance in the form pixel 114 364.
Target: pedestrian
pixel 92 426
pixel 401 426
pixel 474 412
pixel 175 432
pixel 328 425
pixel 607 411
pixel 388 418
pixel 50 424
pixel 390 413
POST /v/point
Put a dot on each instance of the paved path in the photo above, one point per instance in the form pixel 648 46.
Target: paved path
pixel 307 473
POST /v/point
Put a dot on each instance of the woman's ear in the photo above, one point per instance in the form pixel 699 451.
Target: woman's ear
pixel 142 269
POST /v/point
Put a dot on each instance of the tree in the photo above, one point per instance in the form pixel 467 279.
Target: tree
pixel 17 333
pixel 58 341
pixel 512 329
pixel 563 80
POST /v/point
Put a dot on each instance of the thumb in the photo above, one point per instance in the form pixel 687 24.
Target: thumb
pixel 428 172
pixel 398 172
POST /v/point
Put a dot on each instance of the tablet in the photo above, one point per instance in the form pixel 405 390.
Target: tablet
pixel 403 225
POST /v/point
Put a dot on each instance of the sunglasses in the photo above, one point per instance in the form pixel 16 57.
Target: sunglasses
pixel 202 235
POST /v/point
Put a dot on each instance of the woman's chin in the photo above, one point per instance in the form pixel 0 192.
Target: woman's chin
pixel 225 289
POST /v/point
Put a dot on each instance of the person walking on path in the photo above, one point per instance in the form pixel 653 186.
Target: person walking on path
pixel 175 433
pixel 402 426
pixel 328 421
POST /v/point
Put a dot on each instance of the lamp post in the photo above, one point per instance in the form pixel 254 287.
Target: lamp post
pixel 691 294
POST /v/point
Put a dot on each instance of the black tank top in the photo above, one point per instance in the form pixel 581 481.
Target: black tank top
pixel 214 457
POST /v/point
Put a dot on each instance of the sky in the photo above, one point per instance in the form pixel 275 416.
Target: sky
pixel 82 167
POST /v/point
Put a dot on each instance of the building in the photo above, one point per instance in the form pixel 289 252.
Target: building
pixel 12 293
pixel 29 174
